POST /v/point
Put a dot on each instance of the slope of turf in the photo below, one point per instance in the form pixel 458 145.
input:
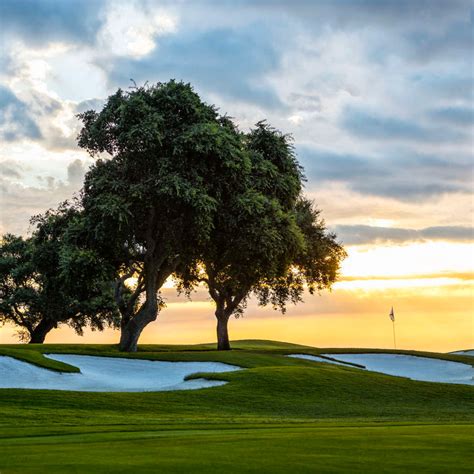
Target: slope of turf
pixel 278 415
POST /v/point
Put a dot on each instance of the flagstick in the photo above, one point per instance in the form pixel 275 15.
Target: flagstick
pixel 394 340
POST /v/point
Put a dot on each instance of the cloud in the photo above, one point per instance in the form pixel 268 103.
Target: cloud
pixel 356 13
pixel 457 233
pixel 21 201
pixel 131 28
pixel 404 175
pixel 452 40
pixel 10 169
pixel 76 172
pixel 41 21
pixel 90 104
pixel 375 126
pixel 37 116
pixel 365 234
pixel 456 115
pixel 451 84
pixel 16 121
pixel 228 62
pixel 377 94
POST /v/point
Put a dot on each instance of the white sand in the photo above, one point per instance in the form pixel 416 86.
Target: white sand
pixel 464 353
pixel 108 374
pixel 413 367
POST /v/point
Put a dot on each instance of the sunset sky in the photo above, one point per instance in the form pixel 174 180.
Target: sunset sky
pixel 377 95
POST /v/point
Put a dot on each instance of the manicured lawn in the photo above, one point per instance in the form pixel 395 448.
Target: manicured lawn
pixel 279 415
pixel 246 449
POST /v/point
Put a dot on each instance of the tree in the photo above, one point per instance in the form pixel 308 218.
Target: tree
pixel 266 240
pixel 314 267
pixel 255 234
pixel 151 204
pixel 18 296
pixel 37 292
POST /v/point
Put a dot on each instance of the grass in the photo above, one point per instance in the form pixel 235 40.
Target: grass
pixel 281 449
pixel 279 415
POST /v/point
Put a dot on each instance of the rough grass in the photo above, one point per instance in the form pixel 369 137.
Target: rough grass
pixel 279 415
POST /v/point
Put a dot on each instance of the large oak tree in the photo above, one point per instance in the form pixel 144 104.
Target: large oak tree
pixel 152 202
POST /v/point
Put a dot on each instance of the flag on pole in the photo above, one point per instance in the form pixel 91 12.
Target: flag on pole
pixel 392 315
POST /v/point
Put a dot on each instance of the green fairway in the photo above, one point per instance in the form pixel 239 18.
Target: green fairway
pixel 275 449
pixel 278 415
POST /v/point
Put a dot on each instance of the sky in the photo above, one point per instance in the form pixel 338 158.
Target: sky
pixel 376 94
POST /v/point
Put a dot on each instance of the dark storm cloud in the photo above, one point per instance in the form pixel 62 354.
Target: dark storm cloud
pixel 224 61
pixel 41 21
pixel 15 118
pixel 365 234
pixel 404 176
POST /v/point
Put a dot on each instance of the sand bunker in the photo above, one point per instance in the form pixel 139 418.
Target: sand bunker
pixel 108 374
pixel 412 367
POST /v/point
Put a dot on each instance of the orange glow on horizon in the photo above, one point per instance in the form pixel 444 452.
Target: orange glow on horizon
pixel 430 285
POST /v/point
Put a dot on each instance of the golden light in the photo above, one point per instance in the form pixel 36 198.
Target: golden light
pixel 424 258
pixel 384 284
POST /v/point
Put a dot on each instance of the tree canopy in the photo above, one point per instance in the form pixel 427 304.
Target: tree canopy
pixel 37 288
pixel 151 204
pixel 266 239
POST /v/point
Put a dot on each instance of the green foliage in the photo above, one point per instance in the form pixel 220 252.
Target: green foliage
pixel 152 203
pixel 20 301
pixel 171 157
pixel 276 172
pixel 314 266
pixel 267 239
pixel 47 280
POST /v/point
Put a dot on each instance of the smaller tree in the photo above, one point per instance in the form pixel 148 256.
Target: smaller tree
pixel 272 255
pixel 46 281
pixel 267 239
pixel 18 289
pixel 254 234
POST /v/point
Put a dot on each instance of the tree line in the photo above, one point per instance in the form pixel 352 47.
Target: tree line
pixel 177 190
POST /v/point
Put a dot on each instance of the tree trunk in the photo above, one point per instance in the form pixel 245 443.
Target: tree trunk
pixel 157 270
pixel 38 335
pixel 129 335
pixel 131 331
pixel 223 343
pixel 148 312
